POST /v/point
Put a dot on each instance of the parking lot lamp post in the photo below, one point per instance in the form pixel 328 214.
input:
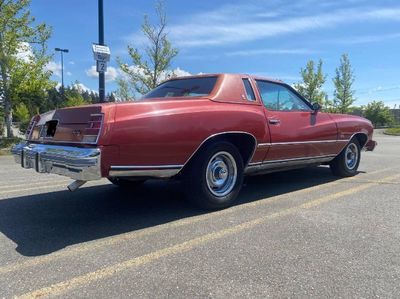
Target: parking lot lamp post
pixel 62 67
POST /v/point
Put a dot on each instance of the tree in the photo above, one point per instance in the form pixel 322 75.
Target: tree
pixel 344 79
pixel 378 113
pixel 74 97
pixel 310 87
pixel 148 70
pixel 17 30
pixel 23 116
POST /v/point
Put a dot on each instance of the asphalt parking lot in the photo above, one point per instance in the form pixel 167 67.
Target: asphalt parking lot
pixel 302 233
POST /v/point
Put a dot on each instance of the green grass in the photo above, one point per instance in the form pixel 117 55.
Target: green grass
pixel 6 144
pixel 393 131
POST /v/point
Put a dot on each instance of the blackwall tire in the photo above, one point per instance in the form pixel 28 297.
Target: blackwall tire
pixel 214 178
pixel 347 162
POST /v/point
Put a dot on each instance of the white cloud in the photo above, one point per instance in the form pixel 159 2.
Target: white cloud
pixel 54 67
pixel 71 62
pixel 111 74
pixel 364 39
pixel 383 89
pixel 24 52
pixel 181 73
pixel 220 28
pixel 82 87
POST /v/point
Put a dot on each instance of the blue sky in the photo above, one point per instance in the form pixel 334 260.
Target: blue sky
pixel 270 38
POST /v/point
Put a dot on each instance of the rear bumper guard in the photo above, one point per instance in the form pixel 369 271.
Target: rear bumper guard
pixel 76 163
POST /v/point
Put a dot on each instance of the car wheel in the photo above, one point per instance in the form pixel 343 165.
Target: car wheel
pixel 346 163
pixel 125 183
pixel 214 178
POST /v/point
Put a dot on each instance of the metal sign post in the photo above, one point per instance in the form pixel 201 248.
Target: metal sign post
pixel 101 54
pixel 102 89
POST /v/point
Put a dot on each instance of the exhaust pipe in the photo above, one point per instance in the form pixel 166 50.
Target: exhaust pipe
pixel 75 185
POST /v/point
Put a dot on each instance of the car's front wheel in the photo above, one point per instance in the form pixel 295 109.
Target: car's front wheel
pixel 346 163
pixel 215 176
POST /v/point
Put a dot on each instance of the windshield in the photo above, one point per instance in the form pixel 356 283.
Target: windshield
pixel 191 87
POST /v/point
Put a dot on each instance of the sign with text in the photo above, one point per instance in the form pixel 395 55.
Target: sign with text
pixel 101 53
pixel 101 66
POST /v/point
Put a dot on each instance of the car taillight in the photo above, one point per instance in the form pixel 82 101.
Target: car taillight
pixel 31 126
pixel 93 129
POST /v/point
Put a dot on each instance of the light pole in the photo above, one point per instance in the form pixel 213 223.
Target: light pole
pixel 62 67
pixel 101 42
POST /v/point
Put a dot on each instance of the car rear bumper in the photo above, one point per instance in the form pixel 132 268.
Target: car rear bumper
pixel 370 146
pixel 74 162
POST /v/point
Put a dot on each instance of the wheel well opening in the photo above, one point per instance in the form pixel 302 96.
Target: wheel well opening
pixel 245 143
pixel 362 139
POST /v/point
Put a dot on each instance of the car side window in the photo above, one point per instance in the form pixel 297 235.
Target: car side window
pixel 249 90
pixel 279 98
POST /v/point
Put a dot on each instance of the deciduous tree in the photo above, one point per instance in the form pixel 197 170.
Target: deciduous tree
pixel 344 79
pixel 313 79
pixel 378 113
pixel 18 30
pixel 151 66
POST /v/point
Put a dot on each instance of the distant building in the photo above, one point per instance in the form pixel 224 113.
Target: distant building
pixel 396 114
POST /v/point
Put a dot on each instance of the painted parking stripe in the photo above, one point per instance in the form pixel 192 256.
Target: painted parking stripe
pixel 82 280
pixel 109 241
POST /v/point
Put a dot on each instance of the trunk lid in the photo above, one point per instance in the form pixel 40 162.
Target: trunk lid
pixel 69 125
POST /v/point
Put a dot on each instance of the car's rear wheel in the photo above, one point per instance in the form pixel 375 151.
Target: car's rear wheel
pixel 346 163
pixel 126 183
pixel 214 178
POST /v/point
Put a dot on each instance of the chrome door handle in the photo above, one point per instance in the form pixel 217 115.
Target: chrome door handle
pixel 274 121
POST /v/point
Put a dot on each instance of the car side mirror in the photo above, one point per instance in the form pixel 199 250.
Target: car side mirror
pixel 316 107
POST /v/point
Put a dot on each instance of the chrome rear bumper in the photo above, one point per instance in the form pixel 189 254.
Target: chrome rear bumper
pixel 77 163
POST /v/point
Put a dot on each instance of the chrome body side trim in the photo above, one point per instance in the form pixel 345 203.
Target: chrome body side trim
pixel 274 165
pixel 82 164
pixel 142 167
pixel 263 145
pixel 153 171
pixel 299 142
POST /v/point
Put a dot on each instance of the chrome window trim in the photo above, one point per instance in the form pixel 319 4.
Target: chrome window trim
pixel 251 89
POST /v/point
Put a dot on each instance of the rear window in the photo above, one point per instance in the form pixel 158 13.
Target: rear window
pixel 191 87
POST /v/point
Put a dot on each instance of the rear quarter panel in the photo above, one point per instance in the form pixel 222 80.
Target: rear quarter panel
pixel 169 132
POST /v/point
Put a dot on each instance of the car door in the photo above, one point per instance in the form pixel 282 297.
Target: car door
pixel 296 130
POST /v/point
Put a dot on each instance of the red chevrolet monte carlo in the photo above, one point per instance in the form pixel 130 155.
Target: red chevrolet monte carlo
pixel 207 130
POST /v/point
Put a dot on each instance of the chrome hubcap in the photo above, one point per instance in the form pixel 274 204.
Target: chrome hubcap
pixel 221 174
pixel 351 156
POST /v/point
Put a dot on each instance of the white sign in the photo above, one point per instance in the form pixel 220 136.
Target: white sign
pixel 101 53
pixel 101 66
